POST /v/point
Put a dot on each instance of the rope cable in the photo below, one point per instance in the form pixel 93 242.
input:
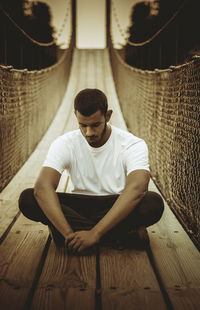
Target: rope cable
pixel 59 33
pixel 24 33
pixel 29 37
pixel 117 21
pixel 158 32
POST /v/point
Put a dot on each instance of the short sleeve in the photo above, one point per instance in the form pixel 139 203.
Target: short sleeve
pixel 136 157
pixel 58 156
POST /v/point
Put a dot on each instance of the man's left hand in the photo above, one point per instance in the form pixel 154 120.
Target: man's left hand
pixel 80 240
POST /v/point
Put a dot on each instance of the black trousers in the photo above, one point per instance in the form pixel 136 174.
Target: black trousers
pixel 83 211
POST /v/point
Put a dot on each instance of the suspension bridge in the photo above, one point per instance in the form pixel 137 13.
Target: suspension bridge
pixel 161 106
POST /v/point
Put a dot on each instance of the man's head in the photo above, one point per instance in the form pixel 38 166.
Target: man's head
pixel 91 110
pixel 90 100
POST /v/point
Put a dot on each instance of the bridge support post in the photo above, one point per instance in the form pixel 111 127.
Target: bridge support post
pixel 74 20
pixel 108 11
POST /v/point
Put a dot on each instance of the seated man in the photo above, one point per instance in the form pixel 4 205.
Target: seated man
pixel 110 174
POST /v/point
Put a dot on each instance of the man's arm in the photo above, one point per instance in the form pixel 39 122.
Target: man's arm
pixel 135 189
pixel 45 194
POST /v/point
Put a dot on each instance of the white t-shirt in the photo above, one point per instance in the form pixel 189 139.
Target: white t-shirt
pixel 102 170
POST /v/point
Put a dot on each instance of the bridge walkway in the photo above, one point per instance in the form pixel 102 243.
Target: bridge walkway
pixel 34 274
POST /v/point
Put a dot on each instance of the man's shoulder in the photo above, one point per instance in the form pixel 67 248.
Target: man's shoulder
pixel 125 136
pixel 67 140
pixel 69 136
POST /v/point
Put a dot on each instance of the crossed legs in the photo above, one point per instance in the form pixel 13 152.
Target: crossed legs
pixel 83 211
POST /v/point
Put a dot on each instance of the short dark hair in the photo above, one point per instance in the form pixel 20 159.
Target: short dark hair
pixel 89 101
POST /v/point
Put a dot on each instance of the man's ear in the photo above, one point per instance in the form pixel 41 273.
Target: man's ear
pixel 108 115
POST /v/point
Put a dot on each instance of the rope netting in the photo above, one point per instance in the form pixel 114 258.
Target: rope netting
pixel 28 103
pixel 163 107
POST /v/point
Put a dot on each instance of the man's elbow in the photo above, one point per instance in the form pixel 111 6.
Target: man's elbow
pixel 41 188
pixel 142 193
pixel 38 189
pixel 138 191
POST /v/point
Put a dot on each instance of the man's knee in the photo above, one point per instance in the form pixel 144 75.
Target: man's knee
pixel 30 208
pixel 150 209
pixel 157 203
pixel 25 199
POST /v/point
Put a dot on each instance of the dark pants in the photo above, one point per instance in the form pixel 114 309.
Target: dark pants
pixel 83 211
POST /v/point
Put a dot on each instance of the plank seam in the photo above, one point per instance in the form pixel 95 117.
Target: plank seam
pixel 37 275
pixel 6 232
pixel 159 279
pixel 98 302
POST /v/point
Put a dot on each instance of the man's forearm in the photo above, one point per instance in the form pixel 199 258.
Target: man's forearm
pixel 123 206
pixel 49 203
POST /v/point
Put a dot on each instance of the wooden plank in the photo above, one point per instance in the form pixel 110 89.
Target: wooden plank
pixel 100 79
pixel 64 298
pixel 177 261
pixel 117 117
pixel 7 216
pixel 20 256
pixel 66 282
pixel 91 68
pixel 128 281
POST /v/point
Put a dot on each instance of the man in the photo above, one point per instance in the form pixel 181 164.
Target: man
pixel 110 174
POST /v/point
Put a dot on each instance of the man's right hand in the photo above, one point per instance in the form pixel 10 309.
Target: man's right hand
pixel 81 240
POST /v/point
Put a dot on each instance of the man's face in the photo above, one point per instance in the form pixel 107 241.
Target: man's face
pixel 94 127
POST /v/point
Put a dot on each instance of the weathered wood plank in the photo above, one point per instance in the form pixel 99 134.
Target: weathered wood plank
pixel 9 212
pixel 129 298
pixel 72 299
pixel 100 70
pixel 117 117
pixel 127 280
pixel 177 261
pixel 20 256
pixel 67 282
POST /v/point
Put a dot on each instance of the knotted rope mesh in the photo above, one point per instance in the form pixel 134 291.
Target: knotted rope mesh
pixel 28 103
pixel 162 107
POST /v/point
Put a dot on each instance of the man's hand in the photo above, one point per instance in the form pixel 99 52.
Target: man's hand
pixel 80 240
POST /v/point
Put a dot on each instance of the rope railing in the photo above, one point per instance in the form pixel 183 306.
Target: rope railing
pixel 121 31
pixel 29 102
pixel 31 53
pixel 172 18
pixel 163 108
pixel 60 32
pixel 169 44
pixel 24 32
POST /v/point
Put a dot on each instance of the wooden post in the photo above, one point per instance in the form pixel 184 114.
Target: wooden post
pixel 177 41
pixel 74 21
pixel 5 52
pixel 108 17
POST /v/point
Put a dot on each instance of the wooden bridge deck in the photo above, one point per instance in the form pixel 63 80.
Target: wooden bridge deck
pixel 34 274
